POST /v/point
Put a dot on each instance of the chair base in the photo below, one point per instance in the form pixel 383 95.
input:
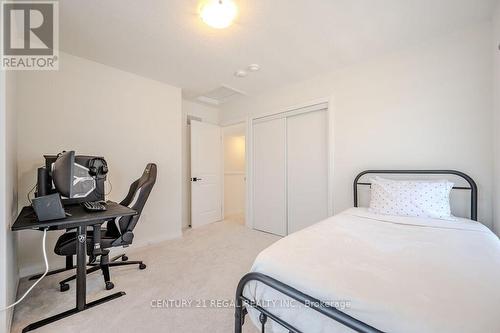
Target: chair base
pixel 104 266
pixel 122 256
pixel 125 263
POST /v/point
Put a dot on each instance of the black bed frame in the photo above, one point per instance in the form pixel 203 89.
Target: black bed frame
pixel 322 307
pixel 472 184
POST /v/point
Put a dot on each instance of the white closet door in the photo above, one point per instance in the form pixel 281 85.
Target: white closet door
pixel 307 169
pixel 269 192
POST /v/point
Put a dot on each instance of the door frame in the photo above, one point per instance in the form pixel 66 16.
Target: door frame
pixel 249 162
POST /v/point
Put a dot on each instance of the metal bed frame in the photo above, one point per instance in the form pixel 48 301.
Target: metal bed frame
pixel 331 312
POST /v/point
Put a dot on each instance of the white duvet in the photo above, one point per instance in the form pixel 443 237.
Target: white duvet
pixel 398 274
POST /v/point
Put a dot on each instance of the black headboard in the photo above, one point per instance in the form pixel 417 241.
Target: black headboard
pixel 472 184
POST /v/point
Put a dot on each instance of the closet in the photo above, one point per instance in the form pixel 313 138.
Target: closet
pixel 290 170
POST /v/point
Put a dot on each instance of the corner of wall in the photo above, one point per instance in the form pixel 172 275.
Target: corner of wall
pixel 496 118
pixel 9 274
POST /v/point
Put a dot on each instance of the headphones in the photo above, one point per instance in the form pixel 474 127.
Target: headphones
pixel 98 167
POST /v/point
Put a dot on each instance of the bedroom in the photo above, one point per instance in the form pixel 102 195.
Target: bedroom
pixel 306 95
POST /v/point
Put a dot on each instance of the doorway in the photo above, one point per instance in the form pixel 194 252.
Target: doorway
pixel 234 172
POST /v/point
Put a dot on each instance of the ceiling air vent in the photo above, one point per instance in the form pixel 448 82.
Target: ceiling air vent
pixel 219 95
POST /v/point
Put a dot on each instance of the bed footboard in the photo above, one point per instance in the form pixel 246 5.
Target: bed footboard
pixel 321 307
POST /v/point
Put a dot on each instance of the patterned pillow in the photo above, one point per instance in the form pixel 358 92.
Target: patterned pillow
pixel 411 198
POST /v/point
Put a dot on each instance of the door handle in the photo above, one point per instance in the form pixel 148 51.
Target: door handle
pixel 195 179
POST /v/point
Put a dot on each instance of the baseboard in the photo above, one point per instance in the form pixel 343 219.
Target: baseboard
pixel 10 316
pixel 33 269
pixel 7 315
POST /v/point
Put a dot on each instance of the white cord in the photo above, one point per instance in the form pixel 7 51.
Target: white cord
pixel 34 284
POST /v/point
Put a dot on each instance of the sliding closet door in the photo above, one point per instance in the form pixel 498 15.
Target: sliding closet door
pixel 269 191
pixel 307 169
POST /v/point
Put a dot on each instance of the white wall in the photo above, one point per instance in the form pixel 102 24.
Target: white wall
pixel 8 197
pixel 425 107
pixel 234 169
pixel 496 93
pixel 207 114
pixel 99 110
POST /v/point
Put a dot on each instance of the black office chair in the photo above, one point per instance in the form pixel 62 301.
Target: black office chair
pixel 116 233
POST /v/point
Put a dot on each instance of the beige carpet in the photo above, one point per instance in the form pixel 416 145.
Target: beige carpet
pixel 202 267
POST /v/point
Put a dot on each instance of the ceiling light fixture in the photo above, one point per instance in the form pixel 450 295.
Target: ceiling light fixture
pixel 240 73
pixel 253 67
pixel 218 14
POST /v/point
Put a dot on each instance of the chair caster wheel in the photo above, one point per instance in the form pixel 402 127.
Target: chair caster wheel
pixel 142 266
pixel 124 258
pixel 64 287
pixel 109 285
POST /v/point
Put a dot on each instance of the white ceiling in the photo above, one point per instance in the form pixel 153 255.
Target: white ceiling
pixel 292 40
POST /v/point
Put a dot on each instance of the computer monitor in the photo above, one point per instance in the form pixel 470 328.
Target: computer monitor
pixel 70 177
pixel 63 171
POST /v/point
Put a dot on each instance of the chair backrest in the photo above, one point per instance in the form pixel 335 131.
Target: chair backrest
pixel 136 198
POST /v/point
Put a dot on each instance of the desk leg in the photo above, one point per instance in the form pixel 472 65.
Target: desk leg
pixel 81 287
pixel 81 274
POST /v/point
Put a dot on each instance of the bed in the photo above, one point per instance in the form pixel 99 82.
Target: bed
pixel 365 272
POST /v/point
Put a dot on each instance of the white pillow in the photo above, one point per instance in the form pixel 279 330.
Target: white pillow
pixel 429 199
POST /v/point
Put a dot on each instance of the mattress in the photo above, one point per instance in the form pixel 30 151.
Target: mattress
pixel 397 274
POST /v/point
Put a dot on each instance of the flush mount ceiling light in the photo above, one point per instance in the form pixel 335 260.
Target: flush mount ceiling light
pixel 253 67
pixel 240 73
pixel 218 14
pixel 250 68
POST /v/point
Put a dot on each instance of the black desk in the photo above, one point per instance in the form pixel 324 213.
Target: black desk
pixel 79 219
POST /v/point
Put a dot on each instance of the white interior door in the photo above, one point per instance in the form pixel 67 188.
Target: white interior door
pixel 269 191
pixel 206 173
pixel 307 169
